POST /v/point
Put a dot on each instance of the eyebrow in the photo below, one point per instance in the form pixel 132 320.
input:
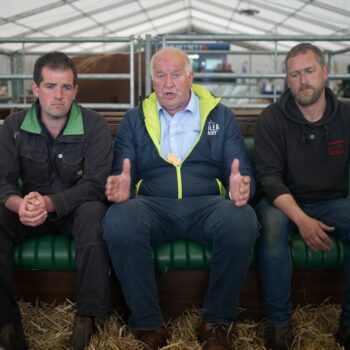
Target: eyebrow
pixel 65 84
pixel 300 70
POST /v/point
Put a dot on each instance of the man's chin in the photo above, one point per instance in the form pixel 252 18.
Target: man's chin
pixel 58 115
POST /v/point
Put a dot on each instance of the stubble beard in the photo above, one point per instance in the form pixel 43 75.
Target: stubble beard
pixel 306 101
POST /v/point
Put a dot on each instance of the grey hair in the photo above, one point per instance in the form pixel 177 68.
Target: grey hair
pixel 188 64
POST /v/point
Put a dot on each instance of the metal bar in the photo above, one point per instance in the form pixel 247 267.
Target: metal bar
pixel 139 70
pixel 330 65
pixel 148 54
pixel 248 97
pixel 104 106
pixel 249 106
pixel 132 73
pixel 196 75
pixel 239 37
pixel 87 105
pixel 65 39
pixel 112 76
pixel 235 52
pixel 250 68
pixel 341 51
pixel 257 76
pixel 275 70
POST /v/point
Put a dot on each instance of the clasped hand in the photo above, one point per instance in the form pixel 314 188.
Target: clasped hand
pixel 32 210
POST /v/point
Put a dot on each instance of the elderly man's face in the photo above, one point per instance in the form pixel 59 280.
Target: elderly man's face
pixel 171 83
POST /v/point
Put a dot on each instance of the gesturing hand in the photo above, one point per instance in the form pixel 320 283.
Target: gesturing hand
pixel 118 186
pixel 239 185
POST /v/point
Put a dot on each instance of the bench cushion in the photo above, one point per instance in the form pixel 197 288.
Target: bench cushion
pixel 56 252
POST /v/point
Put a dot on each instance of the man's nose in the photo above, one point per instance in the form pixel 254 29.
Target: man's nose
pixel 58 92
pixel 303 78
pixel 168 80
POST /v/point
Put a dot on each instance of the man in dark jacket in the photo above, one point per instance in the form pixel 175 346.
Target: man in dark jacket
pixel 54 161
pixel 302 153
pixel 174 157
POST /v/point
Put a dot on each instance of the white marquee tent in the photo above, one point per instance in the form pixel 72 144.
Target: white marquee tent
pixel 52 19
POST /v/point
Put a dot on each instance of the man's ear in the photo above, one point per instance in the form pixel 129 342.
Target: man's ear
pixel 190 76
pixel 35 89
pixel 325 72
pixel 75 91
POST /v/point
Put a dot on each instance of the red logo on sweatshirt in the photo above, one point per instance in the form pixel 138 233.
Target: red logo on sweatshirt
pixel 336 147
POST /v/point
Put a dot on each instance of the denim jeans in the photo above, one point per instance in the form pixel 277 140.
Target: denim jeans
pixel 275 262
pixel 133 228
pixel 91 257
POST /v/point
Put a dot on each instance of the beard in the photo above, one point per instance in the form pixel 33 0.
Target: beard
pixel 308 100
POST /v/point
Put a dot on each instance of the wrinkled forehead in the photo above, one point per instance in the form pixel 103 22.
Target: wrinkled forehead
pixel 169 61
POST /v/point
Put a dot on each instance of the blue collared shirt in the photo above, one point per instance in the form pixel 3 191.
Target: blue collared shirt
pixel 180 131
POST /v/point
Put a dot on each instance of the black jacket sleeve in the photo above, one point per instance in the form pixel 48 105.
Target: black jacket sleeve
pixel 9 162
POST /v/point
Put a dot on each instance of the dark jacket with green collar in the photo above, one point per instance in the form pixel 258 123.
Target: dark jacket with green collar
pixel 71 169
pixel 206 168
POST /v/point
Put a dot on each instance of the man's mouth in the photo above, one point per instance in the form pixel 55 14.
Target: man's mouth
pixel 169 94
pixel 305 88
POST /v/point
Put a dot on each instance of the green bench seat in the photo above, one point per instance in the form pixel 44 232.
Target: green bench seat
pixel 56 252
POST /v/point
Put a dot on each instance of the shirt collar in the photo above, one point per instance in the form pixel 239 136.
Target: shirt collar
pixel 191 106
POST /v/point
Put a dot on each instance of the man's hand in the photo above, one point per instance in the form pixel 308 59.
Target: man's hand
pixel 314 233
pixel 32 211
pixel 239 185
pixel 118 186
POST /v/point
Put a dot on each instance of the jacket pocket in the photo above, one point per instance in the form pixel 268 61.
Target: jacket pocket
pixel 70 167
pixel 35 167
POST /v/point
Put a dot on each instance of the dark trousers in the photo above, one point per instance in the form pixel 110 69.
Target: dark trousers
pixel 93 266
pixel 133 227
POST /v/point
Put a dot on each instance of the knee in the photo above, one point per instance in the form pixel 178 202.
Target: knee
pixel 91 212
pixel 240 226
pixel 8 233
pixel 274 227
pixel 110 223
pixel 87 227
pixel 120 224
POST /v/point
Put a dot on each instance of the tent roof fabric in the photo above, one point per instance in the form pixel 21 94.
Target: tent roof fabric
pixel 122 18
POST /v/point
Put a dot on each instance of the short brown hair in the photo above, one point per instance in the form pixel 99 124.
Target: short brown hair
pixel 304 48
pixel 53 60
